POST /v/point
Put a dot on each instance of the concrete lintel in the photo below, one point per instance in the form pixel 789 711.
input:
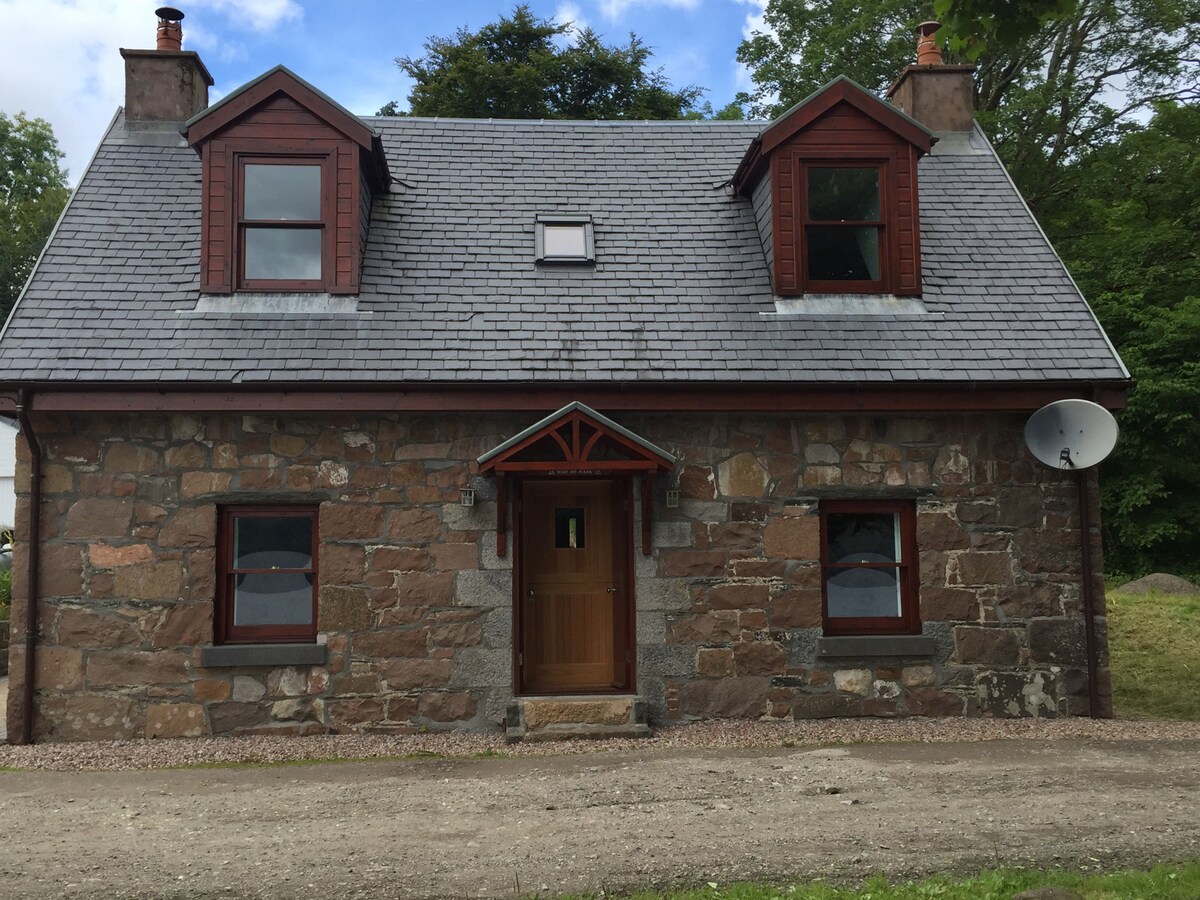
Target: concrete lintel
pixel 229 655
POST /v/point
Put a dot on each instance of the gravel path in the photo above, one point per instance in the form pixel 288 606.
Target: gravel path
pixel 611 821
pixel 742 734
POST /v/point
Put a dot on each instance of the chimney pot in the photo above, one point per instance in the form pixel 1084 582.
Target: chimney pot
pixel 928 52
pixel 170 32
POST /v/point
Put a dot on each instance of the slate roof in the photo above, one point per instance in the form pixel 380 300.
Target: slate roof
pixel 450 293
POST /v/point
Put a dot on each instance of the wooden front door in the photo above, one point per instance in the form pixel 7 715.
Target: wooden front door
pixel 575 604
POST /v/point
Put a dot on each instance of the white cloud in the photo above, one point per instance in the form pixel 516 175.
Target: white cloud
pixel 615 9
pixel 59 62
pixel 260 15
pixel 59 59
pixel 568 13
pixel 756 22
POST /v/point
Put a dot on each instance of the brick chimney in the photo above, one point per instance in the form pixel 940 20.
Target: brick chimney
pixel 940 97
pixel 167 84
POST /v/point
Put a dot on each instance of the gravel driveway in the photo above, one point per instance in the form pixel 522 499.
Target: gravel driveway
pixel 586 822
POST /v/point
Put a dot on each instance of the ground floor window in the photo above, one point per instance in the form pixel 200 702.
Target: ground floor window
pixel 267 574
pixel 869 567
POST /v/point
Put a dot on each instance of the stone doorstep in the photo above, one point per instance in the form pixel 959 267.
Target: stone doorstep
pixel 581 732
pixel 567 717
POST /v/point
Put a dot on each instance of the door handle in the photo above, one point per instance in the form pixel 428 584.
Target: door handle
pixel 612 590
pixel 531 594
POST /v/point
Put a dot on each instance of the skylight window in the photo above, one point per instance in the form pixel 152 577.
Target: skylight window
pixel 565 239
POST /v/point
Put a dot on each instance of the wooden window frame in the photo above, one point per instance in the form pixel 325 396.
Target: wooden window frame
pixel 225 632
pixel 849 160
pixel 909 620
pixel 582 220
pixel 326 223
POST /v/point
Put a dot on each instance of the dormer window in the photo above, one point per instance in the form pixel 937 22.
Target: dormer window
pixel 289 179
pixel 281 224
pixel 565 240
pixel 843 227
pixel 833 183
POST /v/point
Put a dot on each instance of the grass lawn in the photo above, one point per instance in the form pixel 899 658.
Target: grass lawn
pixel 1154 642
pixel 1160 883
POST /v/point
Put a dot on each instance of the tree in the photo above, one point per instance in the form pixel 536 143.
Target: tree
pixel 525 67
pixel 1044 94
pixel 1130 232
pixel 33 189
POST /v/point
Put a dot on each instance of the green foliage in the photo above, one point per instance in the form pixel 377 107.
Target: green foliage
pixel 1178 882
pixel 972 25
pixel 807 44
pixel 1044 94
pixel 526 67
pixel 1129 230
pixel 5 594
pixel 1154 642
pixel 33 189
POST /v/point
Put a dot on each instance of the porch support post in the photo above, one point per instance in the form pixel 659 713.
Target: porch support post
pixel 501 517
pixel 647 510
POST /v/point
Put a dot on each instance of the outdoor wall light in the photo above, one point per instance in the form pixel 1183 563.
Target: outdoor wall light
pixel 466 497
pixel 672 499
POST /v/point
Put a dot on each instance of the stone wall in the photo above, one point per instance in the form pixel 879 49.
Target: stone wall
pixel 415 605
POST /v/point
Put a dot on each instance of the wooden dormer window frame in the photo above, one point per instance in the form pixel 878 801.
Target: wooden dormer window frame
pixel 887 249
pixel 280 119
pixel 840 125
pixel 323 223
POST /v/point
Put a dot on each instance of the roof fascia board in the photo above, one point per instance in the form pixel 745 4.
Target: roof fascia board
pixel 836 398
pixel 278 79
pixel 845 90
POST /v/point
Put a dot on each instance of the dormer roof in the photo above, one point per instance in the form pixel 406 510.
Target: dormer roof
pixel 282 80
pixel 797 118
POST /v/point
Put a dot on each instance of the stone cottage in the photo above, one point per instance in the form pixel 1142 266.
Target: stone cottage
pixel 333 423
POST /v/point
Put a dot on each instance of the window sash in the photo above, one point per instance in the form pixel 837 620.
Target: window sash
pixel 226 631
pixel 803 220
pixel 906 568
pixel 244 224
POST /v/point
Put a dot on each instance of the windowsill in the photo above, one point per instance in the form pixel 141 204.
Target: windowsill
pixel 282 303
pixel 228 655
pixel 876 645
pixel 849 304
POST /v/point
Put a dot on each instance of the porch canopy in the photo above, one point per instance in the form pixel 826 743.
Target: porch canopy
pixel 575 441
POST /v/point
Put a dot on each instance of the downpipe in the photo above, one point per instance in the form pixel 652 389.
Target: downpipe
pixel 32 563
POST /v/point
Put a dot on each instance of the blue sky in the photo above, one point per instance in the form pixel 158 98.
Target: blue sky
pixel 59 59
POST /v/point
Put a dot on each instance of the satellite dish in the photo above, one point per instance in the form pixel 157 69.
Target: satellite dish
pixel 1071 434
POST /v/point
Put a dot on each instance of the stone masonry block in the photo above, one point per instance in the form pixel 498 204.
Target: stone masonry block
pixel 483 588
pixel 666 594
pixel 175 720
pixel 793 538
pixel 98 517
pixel 989 646
pixel 481 667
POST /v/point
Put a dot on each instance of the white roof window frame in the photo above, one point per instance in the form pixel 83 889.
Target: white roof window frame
pixel 582 220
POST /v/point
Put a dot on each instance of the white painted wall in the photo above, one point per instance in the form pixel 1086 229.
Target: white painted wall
pixel 8 469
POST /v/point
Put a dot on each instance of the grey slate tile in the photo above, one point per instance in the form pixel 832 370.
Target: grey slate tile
pixel 450 290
